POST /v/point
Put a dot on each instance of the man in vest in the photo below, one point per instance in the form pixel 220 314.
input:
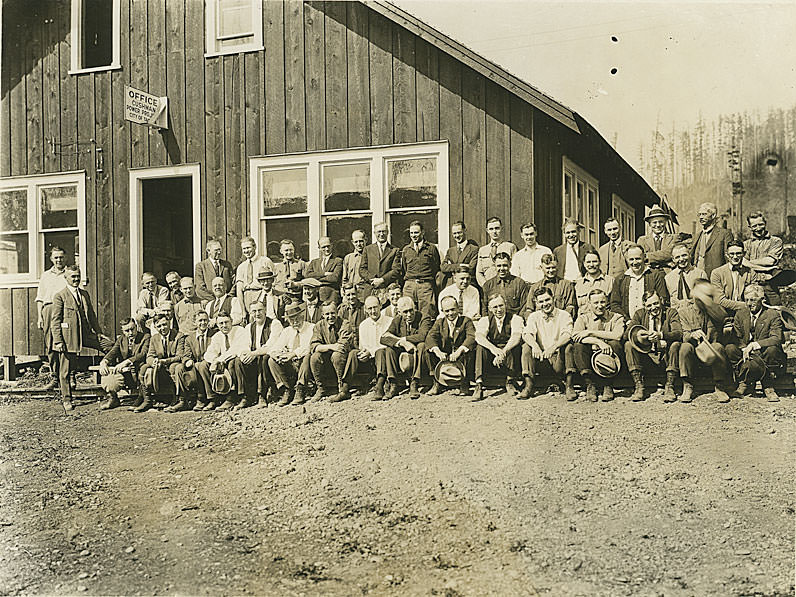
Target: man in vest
pixel 120 367
pixel 498 336
pixel 273 301
pixel 223 303
pixel 263 333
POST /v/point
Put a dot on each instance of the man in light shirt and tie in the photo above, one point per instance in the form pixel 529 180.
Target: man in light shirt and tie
pixel 262 332
pixel 289 356
pixel 527 262
pixel 570 253
pixel 485 267
pixel 681 279
pixel 369 355
pixel 247 285
pixel 148 299
pixel 228 343
pixel 466 295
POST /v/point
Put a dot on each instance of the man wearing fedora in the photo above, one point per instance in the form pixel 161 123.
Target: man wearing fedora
pixel 406 335
pixel 221 359
pixel 329 346
pixel 451 339
pixel 596 346
pixel 757 346
pixel 466 295
pixel 612 253
pixel 273 301
pixel 289 356
pixel 191 378
pixel 263 332
pixel 654 335
pixel 120 367
pixel 325 271
pixel 658 243
pixel 547 332
pixel 159 374
pixel 628 290
pixel 498 337
pixel 680 280
pixel 369 353
pixel 709 249
pixel 733 277
pixel 763 253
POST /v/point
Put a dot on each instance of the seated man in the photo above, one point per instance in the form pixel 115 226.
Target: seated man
pixel 548 331
pixel 120 367
pixel 289 356
pixel 407 333
pixel 185 310
pixel 189 379
pixel 312 303
pixel 628 290
pixel 223 302
pixel 593 277
pixel 451 338
pixel 394 294
pixel 757 348
pixel 325 272
pixel 466 295
pixel 598 330
pixel 159 374
pixel 226 345
pixel 563 291
pixel 513 289
pixel 351 310
pixel 663 330
pixel 329 346
pixel 148 299
pixel 370 352
pixel 262 333
pixel 498 336
pixel 175 290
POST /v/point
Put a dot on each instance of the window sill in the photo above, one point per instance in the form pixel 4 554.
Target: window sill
pixel 96 69
pixel 10 284
pixel 241 50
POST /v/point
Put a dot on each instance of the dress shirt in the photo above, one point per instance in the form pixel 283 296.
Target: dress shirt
pixel 572 267
pixel 735 283
pixel 217 349
pixel 635 299
pixel 269 300
pixel 547 331
pixel 469 300
pixel 609 322
pixel 288 273
pixel 51 282
pixel 516 325
pixel 672 280
pixel 586 284
pixel 246 273
pixel 513 289
pixel 485 266
pixel 768 246
pixel 527 263
pixel 370 333
pixel 273 334
pixel 292 340
pixel 351 263
pixel 312 308
pixel 185 312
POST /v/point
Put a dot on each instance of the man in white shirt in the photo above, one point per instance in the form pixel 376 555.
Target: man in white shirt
pixel 485 266
pixel 148 299
pixel 229 342
pixel 571 252
pixel 547 332
pixel 262 333
pixel 498 336
pixel 51 282
pixel 466 295
pixel 289 356
pixel 682 278
pixel 527 262
pixel 369 355
pixel 247 285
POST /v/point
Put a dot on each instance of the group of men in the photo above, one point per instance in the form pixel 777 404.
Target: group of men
pixel 265 331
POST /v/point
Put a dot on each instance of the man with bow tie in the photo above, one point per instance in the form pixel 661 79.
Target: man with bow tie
pixel 733 277
pixel 263 333
pixel 162 359
pixel 451 338
pixel 212 267
pixel 247 285
pixel 325 272
pixel 680 280
pixel 485 267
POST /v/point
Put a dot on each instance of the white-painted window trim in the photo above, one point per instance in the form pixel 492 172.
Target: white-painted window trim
pixel 590 218
pixel 35 233
pixel 137 175
pixel 213 43
pixel 626 215
pixel 378 158
pixel 77 37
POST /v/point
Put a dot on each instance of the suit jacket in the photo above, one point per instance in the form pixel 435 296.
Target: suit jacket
pixel 561 255
pixel 321 334
pixel 768 330
pixel 618 268
pixel 663 257
pixel 463 335
pixel 715 254
pixel 315 317
pixel 455 257
pixel 121 350
pixel 620 293
pixel 190 349
pixel 671 327
pixel 373 266
pixel 203 277
pixel 155 351
pixel 65 320
pixel 721 278
pixel 420 327
pixel 330 282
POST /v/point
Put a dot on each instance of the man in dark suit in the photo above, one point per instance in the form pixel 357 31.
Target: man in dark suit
pixel 628 291
pixel 563 291
pixel 331 340
pixel 732 278
pixel 407 333
pixel 451 338
pixel 212 267
pixel 710 245
pixel 463 251
pixel 74 326
pixel 159 374
pixel 757 346
pixel 191 379
pixel 659 243
pixel 571 252
pixel 325 272
pixel 378 260
pixel 120 366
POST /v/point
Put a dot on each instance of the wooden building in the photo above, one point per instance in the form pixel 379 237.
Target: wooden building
pixel 284 119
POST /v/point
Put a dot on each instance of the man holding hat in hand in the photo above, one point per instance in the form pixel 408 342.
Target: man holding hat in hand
pixel 406 334
pixel 221 358
pixel 451 338
pixel 498 336
pixel 370 352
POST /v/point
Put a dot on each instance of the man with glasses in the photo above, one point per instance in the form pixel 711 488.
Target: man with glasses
pixel 733 277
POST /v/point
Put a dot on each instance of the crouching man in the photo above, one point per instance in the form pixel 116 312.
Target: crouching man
pixel 289 356
pixel 498 336
pixel 262 333
pixel 163 357
pixel 406 334
pixel 329 346
pixel 370 353
pixel 120 367
pixel 451 338
pixel 757 348
pixel 226 345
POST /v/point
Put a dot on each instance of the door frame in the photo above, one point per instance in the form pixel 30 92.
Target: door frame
pixel 137 176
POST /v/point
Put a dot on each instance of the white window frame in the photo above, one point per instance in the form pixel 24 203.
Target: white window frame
pixel 77 37
pixel 35 232
pixel 378 158
pixel 213 45
pixel 619 208
pixel 590 221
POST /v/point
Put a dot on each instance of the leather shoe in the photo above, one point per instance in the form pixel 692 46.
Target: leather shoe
pixel 226 405
pixel 67 404
pixel 298 398
pixel 286 397
pixel 478 394
pixel 200 404
pixel 111 402
pixel 392 390
pixel 435 389
pixel 414 393
pixel 145 405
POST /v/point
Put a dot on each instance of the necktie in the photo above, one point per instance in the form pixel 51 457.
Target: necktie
pixel 324 263
pixel 381 251
pixel 226 341
pixel 657 243
pixel 249 272
pixel 151 300
pixel 166 347
pixel 296 340
pixel 683 291
pixel 493 251
pixel 202 345
pixel 216 268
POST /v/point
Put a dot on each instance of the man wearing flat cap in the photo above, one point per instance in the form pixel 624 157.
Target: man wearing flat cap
pixel 451 338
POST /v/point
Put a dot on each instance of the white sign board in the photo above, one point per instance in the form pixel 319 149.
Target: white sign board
pixel 145 108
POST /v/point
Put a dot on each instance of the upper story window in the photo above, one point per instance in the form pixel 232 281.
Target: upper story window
pixel 332 193
pixel 582 200
pixel 95 35
pixel 233 26
pixel 36 214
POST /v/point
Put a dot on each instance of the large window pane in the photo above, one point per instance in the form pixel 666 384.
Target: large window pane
pixel 68 240
pixel 284 192
pixel 339 229
pixel 14 253
pixel 59 207
pixel 234 18
pixel 296 229
pixel 412 182
pixel 346 187
pixel 14 210
pixel 399 226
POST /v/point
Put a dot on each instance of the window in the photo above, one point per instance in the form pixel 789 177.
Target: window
pixel 333 193
pixel 37 213
pixel 95 34
pixel 582 201
pixel 233 26
pixel 626 216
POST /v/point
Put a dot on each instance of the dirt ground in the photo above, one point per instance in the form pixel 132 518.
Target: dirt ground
pixel 438 496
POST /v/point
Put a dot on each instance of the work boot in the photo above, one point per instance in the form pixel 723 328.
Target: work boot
pixel 569 393
pixel 771 394
pixel 262 400
pixel 435 389
pixel 244 402
pixel 668 389
pixel 478 395
pixel 392 390
pixel 227 404
pixel 342 393
pixel 511 391
pixel 111 402
pixel 638 393
pixel 414 393
pixel 527 389
pixel 688 392
pixel 378 391
pixel 318 396
pixel 145 405
pixel 286 397
pixel 200 404
pixel 591 392
pixel 608 393
pixel 181 405
pixel 138 402
pixel 464 389
pixel 721 394
pixel 209 405
pixel 742 389
pixel 298 397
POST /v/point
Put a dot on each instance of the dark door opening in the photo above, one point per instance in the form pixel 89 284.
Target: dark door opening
pixel 167 226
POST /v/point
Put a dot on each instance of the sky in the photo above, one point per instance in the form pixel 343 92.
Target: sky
pixel 672 60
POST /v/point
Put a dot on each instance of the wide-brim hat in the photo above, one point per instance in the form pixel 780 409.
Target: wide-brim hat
pixel 605 365
pixel 295 309
pixel 706 353
pixel 656 212
pixel 449 373
pixel 638 341
pixel 266 274
pixel 788 319
pixel 785 277
pixel 222 382
pixel 406 361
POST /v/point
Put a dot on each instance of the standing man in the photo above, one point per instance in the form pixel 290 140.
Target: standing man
pixel 329 346
pixel 271 300
pixel 210 268
pixel 247 285
pixel 191 377
pixel 451 338
pixel 571 252
pixel 291 270
pixel 185 310
pixel 498 336
pixel 563 291
pixel 263 332
pixel 226 345
pixel 289 357
pixel 120 367
pixel 74 326
pixel 658 244
pixel 325 272
pixel 353 260
pixel 485 268
pixel 527 262
pixel 593 277
pixel 407 333
pixel 162 359
pixel 151 295
pixel 466 295
pixel 763 253
pixel 173 283
pixel 370 352
pixel 418 267
pixel 52 281
pixel 612 253
pixel 380 264
pixel 682 278
pixel 628 291
pixel 710 245
pixel 463 252
pixel 733 277
pixel 514 290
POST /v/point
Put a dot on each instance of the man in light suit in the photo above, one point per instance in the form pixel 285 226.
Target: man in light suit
pixel 451 338
pixel 150 296
pixel 378 260
pixel 212 267
pixel 612 254
pixel 463 251
pixel 571 252
pixel 658 245
pixel 710 245
pixel 325 272
pixel 733 277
